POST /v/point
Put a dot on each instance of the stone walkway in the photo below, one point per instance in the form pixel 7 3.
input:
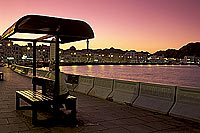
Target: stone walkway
pixel 94 115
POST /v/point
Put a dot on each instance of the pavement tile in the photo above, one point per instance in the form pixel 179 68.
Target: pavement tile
pixel 91 128
pixel 2 106
pixel 3 121
pixel 180 130
pixel 44 130
pixel 128 121
pixel 114 130
pixel 139 129
pixel 64 130
pixel 159 125
pixel 8 115
pixel 108 124
pixel 174 122
pixel 150 118
pixel 13 128
pixel 15 120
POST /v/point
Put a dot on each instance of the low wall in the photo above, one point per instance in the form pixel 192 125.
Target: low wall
pixel 124 91
pixel 187 103
pixel 154 97
pixel 20 69
pixel 102 88
pixel 85 84
pixel 176 101
pixel 67 80
pixel 41 73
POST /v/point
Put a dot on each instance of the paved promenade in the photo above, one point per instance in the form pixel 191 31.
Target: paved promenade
pixel 94 115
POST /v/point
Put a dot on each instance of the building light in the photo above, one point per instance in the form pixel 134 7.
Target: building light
pixel 86 54
pixel 111 55
pixel 119 56
pixel 102 54
pixel 74 53
pixel 38 50
pixel 28 48
pixel 43 49
pixel 60 52
pixel 90 54
pixel 8 44
pixel 99 55
pixel 130 56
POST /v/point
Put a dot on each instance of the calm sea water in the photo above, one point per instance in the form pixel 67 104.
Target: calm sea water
pixel 177 75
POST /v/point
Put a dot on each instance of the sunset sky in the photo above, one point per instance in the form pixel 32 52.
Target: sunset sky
pixel 147 25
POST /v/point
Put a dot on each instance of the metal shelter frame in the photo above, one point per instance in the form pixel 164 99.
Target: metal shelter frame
pixel 64 30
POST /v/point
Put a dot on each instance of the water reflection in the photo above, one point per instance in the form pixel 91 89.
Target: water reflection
pixel 180 75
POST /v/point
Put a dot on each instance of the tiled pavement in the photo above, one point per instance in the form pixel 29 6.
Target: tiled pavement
pixel 94 115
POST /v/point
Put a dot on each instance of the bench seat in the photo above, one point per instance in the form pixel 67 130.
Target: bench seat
pixel 36 99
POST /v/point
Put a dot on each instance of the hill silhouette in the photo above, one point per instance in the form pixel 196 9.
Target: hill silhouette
pixel 191 49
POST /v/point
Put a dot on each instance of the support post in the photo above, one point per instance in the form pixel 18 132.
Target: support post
pixel 87 44
pixel 57 70
pixel 34 63
pixel 56 85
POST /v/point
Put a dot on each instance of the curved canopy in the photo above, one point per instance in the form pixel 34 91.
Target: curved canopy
pixel 68 30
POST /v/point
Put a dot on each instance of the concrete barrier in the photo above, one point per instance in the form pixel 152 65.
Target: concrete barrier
pixel 187 103
pixel 102 88
pixel 13 67
pixel 154 97
pixel 41 73
pixel 85 84
pixel 30 72
pixel 20 70
pixel 124 91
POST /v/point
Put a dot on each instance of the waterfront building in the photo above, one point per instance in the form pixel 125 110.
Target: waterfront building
pixel 6 51
pixel 189 59
pixel 43 52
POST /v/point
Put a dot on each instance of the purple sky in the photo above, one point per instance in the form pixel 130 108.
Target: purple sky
pixel 147 25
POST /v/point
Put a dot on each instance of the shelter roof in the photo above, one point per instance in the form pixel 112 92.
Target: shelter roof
pixel 68 30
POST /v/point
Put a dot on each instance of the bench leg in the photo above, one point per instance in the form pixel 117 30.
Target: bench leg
pixel 17 103
pixel 73 112
pixel 34 114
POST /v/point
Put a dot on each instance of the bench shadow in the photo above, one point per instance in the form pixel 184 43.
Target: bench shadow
pixel 47 119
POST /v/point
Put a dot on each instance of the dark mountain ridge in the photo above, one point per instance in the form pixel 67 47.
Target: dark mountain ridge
pixel 191 49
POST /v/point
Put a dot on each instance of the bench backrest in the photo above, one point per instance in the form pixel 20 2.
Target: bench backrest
pixel 47 84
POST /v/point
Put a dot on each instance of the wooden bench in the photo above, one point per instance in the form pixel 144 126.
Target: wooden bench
pixel 39 99
pixel 1 75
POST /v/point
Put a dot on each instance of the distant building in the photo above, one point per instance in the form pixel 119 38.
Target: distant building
pixel 189 59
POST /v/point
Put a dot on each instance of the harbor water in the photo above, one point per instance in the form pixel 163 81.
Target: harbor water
pixel 176 75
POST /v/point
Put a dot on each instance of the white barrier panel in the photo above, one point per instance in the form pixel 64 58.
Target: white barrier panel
pixel 63 85
pixel 19 69
pixel 187 103
pixel 41 73
pixel 30 72
pixel 102 88
pixel 62 81
pixel 124 91
pixel 154 97
pixel 85 84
